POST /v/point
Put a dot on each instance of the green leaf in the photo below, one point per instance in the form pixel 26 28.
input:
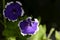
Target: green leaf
pixel 12 29
pixel 39 19
pixel 11 38
pixel 57 35
pixel 23 17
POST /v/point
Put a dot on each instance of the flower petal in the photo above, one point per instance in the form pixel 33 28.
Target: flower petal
pixel 13 10
pixel 28 27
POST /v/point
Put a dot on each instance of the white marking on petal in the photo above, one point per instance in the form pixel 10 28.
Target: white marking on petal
pixel 8 4
pixel 37 26
pixel 19 3
pixel 19 23
pixel 4 14
pixel 29 18
pixel 36 30
pixel 20 28
pixel 22 13
pixel 36 20
pixel 23 34
pixel 9 19
pixel 12 20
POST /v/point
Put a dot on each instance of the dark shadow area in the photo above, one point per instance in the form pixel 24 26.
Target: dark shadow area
pixel 1 31
pixel 49 10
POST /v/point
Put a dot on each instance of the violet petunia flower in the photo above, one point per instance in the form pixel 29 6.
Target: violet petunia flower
pixel 28 27
pixel 13 10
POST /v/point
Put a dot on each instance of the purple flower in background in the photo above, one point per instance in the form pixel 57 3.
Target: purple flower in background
pixel 28 27
pixel 13 10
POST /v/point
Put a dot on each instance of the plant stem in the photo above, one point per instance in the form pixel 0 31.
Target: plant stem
pixel 51 31
pixel 3 8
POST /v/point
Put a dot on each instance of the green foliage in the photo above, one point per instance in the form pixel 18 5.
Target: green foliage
pixel 11 38
pixel 57 35
pixel 11 29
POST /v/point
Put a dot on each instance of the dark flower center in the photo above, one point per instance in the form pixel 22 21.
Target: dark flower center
pixel 14 11
pixel 29 24
pixel 29 21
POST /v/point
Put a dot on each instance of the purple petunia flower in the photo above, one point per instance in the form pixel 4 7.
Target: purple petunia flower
pixel 28 27
pixel 13 10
